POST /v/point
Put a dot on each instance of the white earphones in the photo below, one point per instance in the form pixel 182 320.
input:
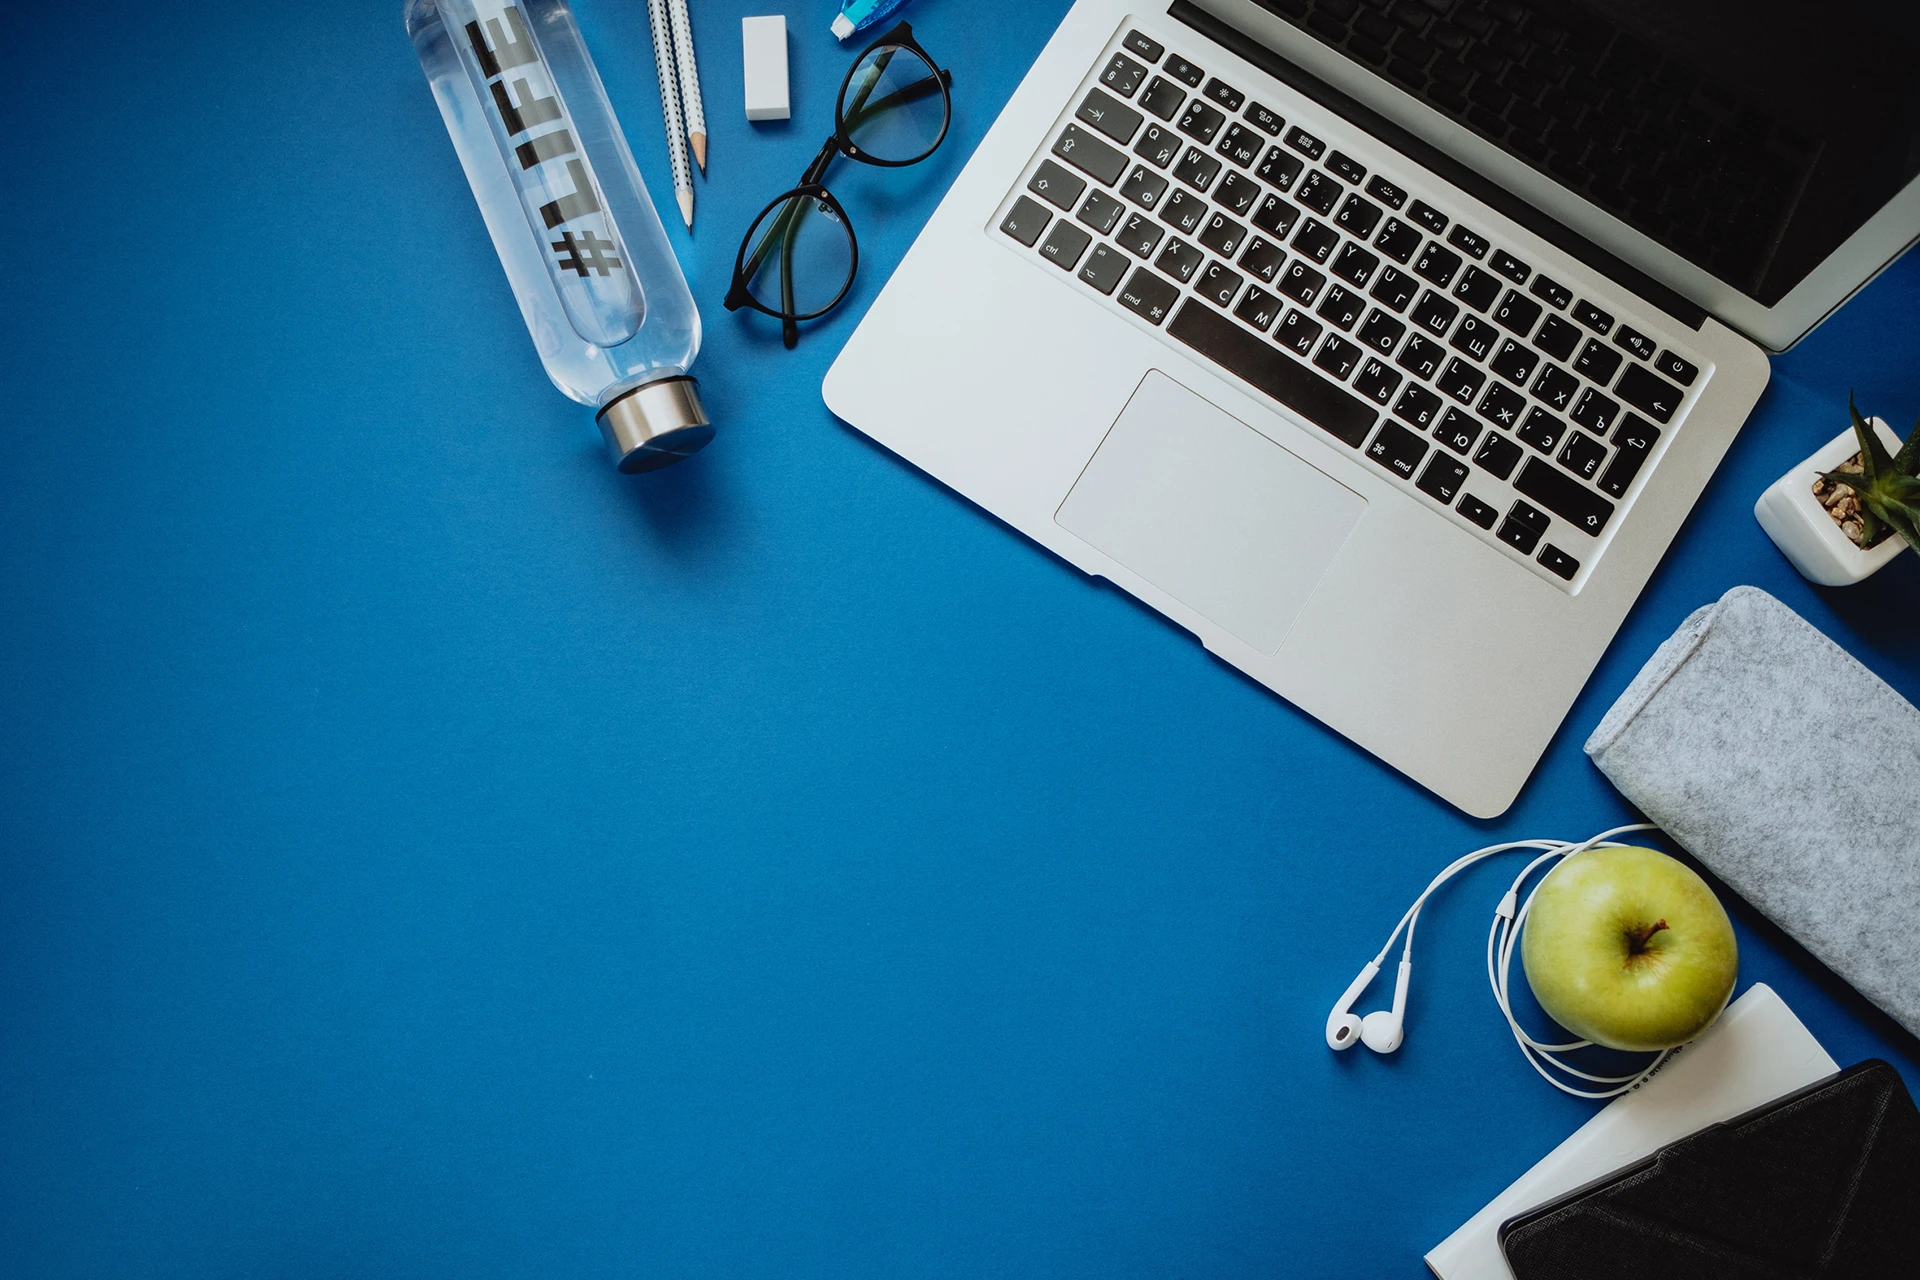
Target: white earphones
pixel 1384 1029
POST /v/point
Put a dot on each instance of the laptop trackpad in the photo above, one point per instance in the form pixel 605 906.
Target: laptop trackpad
pixel 1210 511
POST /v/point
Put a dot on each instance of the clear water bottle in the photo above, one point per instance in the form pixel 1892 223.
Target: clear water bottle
pixel 589 262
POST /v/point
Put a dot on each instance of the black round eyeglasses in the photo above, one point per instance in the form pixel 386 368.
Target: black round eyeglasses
pixel 798 259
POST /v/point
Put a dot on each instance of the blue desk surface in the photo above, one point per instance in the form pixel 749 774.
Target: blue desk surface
pixel 424 852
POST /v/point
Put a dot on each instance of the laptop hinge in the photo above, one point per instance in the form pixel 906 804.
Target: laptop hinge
pixel 1423 153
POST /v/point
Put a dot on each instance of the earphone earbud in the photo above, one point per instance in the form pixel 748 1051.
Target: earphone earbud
pixel 1384 1029
pixel 1344 1026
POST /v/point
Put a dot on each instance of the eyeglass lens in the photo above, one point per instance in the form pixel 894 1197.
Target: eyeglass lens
pixel 802 261
pixel 894 108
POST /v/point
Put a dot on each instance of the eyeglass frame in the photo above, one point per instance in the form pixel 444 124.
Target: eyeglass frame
pixel 739 295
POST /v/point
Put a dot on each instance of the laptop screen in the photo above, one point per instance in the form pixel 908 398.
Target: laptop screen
pixel 1751 137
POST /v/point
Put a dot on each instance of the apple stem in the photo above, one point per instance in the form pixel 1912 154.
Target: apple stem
pixel 1637 939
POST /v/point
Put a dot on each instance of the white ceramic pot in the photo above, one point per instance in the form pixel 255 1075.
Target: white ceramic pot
pixel 1803 530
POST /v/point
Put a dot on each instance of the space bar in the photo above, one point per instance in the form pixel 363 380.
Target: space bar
pixel 1239 352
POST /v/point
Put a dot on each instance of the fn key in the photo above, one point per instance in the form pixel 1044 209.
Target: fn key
pixel 1025 221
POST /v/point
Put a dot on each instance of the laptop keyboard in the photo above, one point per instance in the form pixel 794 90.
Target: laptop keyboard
pixel 1529 410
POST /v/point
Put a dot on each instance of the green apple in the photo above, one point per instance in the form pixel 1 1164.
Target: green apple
pixel 1629 949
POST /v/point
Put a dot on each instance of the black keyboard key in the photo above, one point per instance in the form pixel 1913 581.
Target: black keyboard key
pixel 1265 119
pixel 1144 45
pixel 1514 362
pixel 1631 445
pixel 1333 409
pixel 1297 333
pixel 1556 388
pixel 1523 527
pixel 1355 265
pixel 1557 338
pixel 1106 267
pixel 1223 235
pixel 1123 75
pixel 1558 296
pixel 1275 216
pixel 1179 259
pixel 1435 314
pixel 1376 381
pixel 1263 259
pixel 1510 267
pixel 1397 449
pixel 1279 168
pixel 1150 297
pixel 1421 357
pixel 1381 332
pixel 1090 155
pixel 1144 187
pixel 1457 431
pixel 1477 511
pixel 1358 217
pixel 1064 245
pixel 1319 192
pixel 1437 264
pixel 1592 317
pixel 1162 98
pixel 1419 406
pixel 1398 240
pixel 1635 341
pixel 1316 240
pixel 1676 368
pixel 1347 167
pixel 1559 562
pixel 1140 237
pixel 1649 392
pixel 1200 121
pixel 1471 243
pixel 1025 221
pixel 1498 455
pixel 1393 289
pixel 1595 412
pixel 1502 406
pixel 1541 430
pixel 1386 193
pixel 1429 217
pixel 1259 308
pixel 1219 283
pixel 1461 380
pixel 1184 212
pixel 1475 337
pixel 1225 94
pixel 1597 362
pixel 1338 356
pixel 1300 282
pixel 1582 455
pixel 1340 308
pixel 1116 120
pixel 1197 169
pixel 1566 497
pixel 1101 211
pixel 1517 313
pixel 1240 145
pixel 1158 147
pixel 1305 143
pixel 1185 72
pixel 1442 479
pixel 1236 193
pixel 1477 288
pixel 1055 185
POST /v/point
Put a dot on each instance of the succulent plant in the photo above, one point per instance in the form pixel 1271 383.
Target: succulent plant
pixel 1888 488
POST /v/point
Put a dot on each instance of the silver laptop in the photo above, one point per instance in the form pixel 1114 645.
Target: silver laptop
pixel 1384 345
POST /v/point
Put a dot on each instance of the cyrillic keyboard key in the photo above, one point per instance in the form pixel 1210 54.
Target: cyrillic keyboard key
pixel 1150 297
pixel 1197 169
pixel 1421 357
pixel 1259 308
pixel 1279 169
pixel 1355 265
pixel 1064 245
pixel 1394 289
pixel 1275 217
pixel 1055 185
pixel 1502 406
pixel 1179 259
pixel 1566 497
pixel 1541 430
pixel 1140 237
pixel 1461 380
pixel 1239 144
pixel 1300 282
pixel 1514 362
pixel 1338 356
pixel 1316 240
pixel 1090 155
pixel 1333 409
pixel 1263 259
pixel 1457 431
pixel 1236 193
pixel 1223 235
pixel 1218 284
pixel 1116 120
pixel 1649 392
pixel 1442 479
pixel 1105 268
pixel 1297 333
pixel 1381 332
pixel 1340 307
pixel 1582 454
pixel 1397 449
pixel 1158 147
pixel 1595 412
pixel 1475 337
pixel 1025 221
pixel 1183 211
pixel 1376 381
pixel 1631 443
pixel 1144 187
pixel 1555 387
pixel 1498 456
pixel 1419 406
pixel 1435 314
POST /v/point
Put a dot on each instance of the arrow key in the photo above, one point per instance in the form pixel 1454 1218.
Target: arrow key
pixel 1649 392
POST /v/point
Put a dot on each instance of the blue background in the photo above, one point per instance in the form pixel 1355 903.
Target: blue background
pixel 425 852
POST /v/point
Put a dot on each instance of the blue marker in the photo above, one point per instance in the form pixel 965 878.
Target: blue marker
pixel 858 15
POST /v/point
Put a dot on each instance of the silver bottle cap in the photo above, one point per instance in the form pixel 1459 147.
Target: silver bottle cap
pixel 655 425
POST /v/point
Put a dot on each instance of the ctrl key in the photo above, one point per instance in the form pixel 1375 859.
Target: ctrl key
pixel 1025 221
pixel 1148 296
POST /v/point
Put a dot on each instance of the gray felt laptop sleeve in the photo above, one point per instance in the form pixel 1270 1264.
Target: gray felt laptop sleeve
pixel 1793 773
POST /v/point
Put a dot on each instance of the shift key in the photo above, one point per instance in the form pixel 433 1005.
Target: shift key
pixel 1090 155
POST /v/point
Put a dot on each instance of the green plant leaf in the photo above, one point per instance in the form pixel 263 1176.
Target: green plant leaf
pixel 1907 461
pixel 1873 454
pixel 1852 479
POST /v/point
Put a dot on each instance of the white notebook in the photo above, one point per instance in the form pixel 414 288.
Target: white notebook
pixel 1757 1052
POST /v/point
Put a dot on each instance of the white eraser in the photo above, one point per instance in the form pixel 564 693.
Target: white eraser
pixel 763 42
